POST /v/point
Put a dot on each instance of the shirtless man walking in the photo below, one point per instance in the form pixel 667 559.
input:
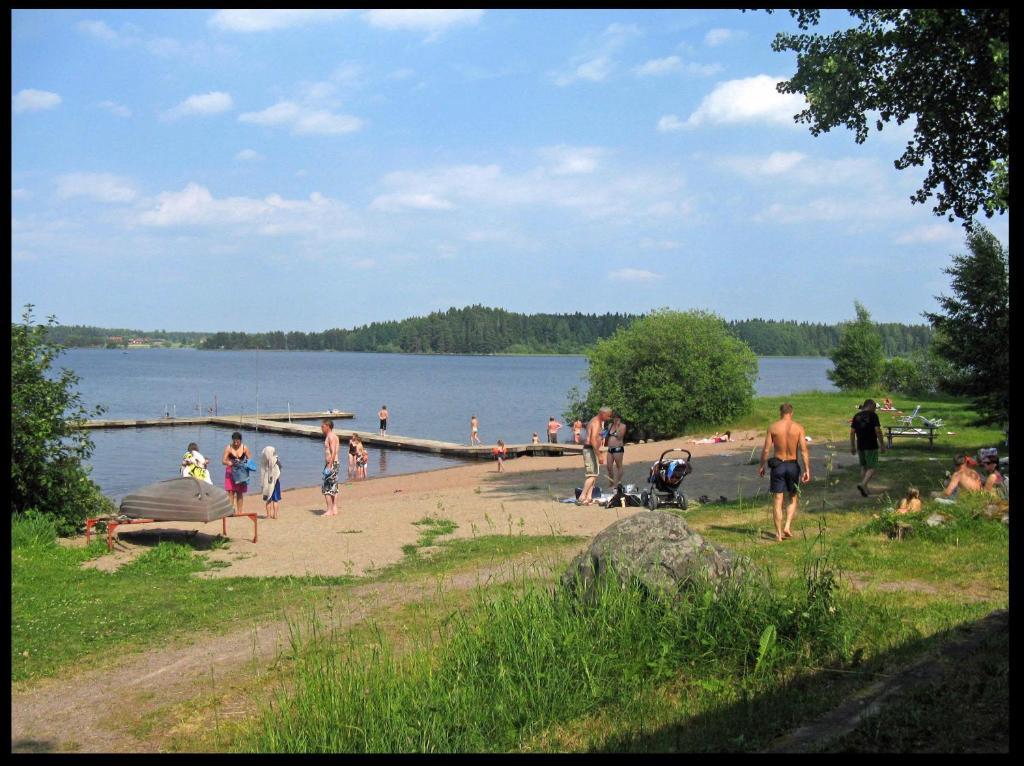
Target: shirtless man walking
pixel 330 482
pixel 474 430
pixel 785 435
pixel 592 457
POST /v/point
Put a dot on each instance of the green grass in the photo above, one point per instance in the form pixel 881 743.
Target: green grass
pixel 517 663
pixel 64 615
pixel 826 416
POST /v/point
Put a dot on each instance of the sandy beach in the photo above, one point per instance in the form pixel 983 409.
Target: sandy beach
pixel 376 515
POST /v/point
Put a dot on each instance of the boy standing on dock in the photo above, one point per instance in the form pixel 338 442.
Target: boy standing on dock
pixel 382 415
pixel 330 482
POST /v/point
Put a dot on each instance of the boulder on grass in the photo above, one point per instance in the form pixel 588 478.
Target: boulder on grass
pixel 656 550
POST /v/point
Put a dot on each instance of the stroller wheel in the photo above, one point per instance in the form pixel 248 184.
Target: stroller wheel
pixel 681 502
pixel 652 501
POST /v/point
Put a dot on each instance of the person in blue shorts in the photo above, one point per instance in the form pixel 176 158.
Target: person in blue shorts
pixel 785 436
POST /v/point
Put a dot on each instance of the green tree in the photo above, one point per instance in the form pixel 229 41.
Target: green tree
pixel 668 372
pixel 858 358
pixel 47 444
pixel 972 331
pixel 947 67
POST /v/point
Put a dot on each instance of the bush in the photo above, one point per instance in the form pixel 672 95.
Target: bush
pixel 47 443
pixel 668 372
pixel 920 374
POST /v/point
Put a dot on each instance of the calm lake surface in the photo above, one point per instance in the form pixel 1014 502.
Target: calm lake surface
pixel 427 396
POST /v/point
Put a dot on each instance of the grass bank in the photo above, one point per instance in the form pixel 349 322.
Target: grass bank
pixel 63 614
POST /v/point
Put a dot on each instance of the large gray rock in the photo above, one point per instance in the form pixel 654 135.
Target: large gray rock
pixel 656 549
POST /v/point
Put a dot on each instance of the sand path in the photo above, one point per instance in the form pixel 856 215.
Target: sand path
pixel 377 515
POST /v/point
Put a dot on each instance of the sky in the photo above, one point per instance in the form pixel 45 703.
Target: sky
pixel 259 170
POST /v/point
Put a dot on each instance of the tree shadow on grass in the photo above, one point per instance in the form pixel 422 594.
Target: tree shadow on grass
pixel 829 710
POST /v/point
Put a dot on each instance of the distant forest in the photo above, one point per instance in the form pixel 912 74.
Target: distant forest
pixel 482 330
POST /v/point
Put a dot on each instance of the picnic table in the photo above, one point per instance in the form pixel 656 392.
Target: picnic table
pixel 921 431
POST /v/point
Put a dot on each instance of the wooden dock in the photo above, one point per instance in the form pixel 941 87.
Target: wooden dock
pixel 229 420
pixel 448 449
pixel 277 423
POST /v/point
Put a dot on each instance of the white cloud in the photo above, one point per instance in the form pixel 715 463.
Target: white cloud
pixel 718 36
pixel 303 120
pixel 273 215
pixel 391 203
pixel 632 275
pixel 432 20
pixel 675 65
pixel 797 167
pixel 30 100
pixel 263 19
pixel 21 194
pixel 594 70
pixel 868 207
pixel 99 30
pixel 364 263
pixel 936 233
pixel 594 193
pixel 667 65
pixel 669 124
pixel 214 102
pixel 597 64
pixel 751 99
pixel 248 155
pixel 115 108
pixel 661 245
pixel 571 160
pixel 102 187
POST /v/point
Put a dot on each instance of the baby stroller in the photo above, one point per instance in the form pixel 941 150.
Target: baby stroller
pixel 666 480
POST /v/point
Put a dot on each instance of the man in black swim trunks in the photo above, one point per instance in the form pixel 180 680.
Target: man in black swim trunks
pixel 785 435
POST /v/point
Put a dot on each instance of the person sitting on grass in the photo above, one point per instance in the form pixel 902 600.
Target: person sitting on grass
pixel 911 503
pixel 964 477
pixel 994 481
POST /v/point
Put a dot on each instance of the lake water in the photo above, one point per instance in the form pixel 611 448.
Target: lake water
pixel 427 396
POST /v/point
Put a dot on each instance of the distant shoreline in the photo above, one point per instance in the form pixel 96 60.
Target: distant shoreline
pixel 399 353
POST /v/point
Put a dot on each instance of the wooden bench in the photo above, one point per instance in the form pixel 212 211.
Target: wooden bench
pixel 914 431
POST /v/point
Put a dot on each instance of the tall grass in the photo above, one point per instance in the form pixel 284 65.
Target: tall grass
pixel 515 663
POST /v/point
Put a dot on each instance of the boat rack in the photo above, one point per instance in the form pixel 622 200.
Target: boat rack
pixel 113 522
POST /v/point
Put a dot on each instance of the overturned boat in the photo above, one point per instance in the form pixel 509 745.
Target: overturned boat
pixel 181 499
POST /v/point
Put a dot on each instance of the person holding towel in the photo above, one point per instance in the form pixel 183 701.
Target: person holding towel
pixel 194 465
pixel 270 480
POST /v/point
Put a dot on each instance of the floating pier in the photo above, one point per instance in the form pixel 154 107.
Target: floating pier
pixel 231 420
pixel 448 449
pixel 277 423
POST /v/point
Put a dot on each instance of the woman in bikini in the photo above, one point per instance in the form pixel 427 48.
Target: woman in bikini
pixel 615 442
pixel 234 453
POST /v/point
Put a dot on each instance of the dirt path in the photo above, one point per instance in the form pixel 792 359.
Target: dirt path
pixel 96 710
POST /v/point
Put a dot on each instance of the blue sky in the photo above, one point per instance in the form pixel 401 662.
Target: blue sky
pixel 300 170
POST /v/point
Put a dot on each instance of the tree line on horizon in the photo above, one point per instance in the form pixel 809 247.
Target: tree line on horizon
pixel 483 330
